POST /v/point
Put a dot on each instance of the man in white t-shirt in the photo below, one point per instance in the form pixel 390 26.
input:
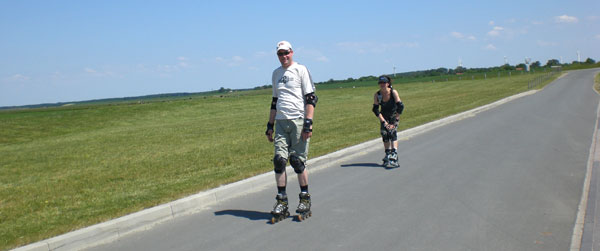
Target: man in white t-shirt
pixel 292 110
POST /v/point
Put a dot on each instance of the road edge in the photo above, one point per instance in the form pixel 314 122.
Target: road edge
pixel 581 234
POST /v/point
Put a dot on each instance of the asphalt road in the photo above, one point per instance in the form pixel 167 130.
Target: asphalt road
pixel 509 178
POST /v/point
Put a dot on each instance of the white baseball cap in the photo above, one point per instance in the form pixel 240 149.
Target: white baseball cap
pixel 284 45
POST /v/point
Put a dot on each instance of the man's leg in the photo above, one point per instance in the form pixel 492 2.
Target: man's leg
pixel 279 164
pixel 298 158
pixel 303 178
pixel 280 210
pixel 281 143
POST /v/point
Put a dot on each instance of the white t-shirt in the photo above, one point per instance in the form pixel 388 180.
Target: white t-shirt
pixel 289 87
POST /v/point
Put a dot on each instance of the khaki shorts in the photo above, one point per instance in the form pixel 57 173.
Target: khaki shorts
pixel 288 139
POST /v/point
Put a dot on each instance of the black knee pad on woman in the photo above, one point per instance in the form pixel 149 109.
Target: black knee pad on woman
pixel 389 135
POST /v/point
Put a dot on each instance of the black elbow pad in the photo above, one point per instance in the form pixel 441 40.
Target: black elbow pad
pixel 376 110
pixel 274 104
pixel 311 99
pixel 399 107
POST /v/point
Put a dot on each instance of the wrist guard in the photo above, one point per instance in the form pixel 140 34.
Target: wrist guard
pixel 269 127
pixel 307 124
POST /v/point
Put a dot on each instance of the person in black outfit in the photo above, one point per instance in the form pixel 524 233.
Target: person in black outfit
pixel 391 107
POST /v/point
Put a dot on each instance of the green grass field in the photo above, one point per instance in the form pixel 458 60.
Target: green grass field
pixel 65 168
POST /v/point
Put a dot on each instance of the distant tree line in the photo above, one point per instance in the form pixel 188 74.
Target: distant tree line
pixel 462 70
pixel 224 90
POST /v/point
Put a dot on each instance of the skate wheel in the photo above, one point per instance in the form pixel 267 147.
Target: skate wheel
pixel 273 220
pixel 299 217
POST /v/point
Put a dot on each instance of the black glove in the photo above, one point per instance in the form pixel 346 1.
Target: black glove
pixel 269 127
pixel 307 124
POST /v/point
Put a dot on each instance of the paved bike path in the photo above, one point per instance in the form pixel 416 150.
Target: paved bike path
pixel 506 177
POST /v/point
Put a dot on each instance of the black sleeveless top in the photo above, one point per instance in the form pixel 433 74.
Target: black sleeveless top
pixel 388 108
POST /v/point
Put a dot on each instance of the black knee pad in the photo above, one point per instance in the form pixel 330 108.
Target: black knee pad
pixel 279 163
pixel 297 164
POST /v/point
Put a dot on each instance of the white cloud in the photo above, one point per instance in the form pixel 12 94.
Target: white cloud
pixel 262 54
pixel 182 62
pixel 565 19
pixel 312 54
pixel 374 47
pixel 461 36
pixel 90 70
pixel 546 43
pixel 535 22
pixel 495 31
pixel 322 59
pixel 57 76
pixel 233 61
pixel 97 73
pixel 457 34
pixel 522 30
pixel 412 45
pixel 165 70
pixel 490 47
pixel 17 78
pixel 358 47
pixel 597 36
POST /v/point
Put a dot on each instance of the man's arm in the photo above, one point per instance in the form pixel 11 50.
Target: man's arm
pixel 309 111
pixel 271 122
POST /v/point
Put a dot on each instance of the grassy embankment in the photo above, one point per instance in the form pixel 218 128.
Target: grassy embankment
pixel 65 168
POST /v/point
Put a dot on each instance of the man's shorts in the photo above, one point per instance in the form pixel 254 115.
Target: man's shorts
pixel 288 139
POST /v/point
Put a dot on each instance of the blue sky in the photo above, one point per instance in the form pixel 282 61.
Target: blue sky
pixel 61 51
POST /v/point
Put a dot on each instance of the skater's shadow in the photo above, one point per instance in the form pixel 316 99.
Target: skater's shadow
pixel 362 165
pixel 251 215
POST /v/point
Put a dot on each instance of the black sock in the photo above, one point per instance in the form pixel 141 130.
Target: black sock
pixel 304 189
pixel 281 190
